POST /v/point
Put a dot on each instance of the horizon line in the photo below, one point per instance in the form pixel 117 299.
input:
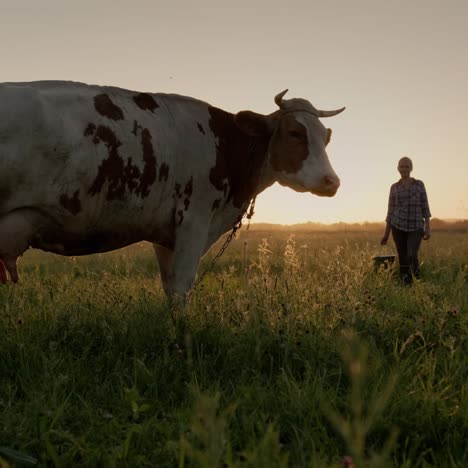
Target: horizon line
pixel 434 219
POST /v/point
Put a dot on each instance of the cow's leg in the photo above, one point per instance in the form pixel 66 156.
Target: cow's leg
pixel 165 258
pixel 184 269
pixel 189 247
pixel 177 303
pixel 10 264
pixel 16 231
pixel 3 273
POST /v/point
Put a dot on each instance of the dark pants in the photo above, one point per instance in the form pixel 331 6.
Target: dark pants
pixel 407 245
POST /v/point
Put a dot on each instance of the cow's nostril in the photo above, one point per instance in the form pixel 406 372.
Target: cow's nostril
pixel 331 181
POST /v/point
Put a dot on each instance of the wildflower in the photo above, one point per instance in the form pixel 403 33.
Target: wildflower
pixel 347 462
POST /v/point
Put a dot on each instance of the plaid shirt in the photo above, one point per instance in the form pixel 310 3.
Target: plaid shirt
pixel 408 205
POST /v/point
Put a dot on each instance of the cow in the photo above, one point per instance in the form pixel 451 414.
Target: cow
pixel 86 169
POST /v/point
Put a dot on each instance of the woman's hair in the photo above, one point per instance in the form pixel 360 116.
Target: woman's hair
pixel 406 159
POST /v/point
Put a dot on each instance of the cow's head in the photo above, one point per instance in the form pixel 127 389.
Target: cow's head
pixel 298 139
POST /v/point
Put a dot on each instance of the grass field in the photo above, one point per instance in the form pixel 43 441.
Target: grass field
pixel 297 353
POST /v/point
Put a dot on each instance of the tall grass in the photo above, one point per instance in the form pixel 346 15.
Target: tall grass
pixel 299 355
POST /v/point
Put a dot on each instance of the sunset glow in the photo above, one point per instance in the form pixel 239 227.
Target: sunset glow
pixel 400 69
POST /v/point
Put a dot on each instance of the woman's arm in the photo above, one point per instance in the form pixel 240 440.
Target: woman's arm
pixel 426 213
pixel 427 228
pixel 384 239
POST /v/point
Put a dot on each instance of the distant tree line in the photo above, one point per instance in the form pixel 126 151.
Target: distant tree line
pixel 459 225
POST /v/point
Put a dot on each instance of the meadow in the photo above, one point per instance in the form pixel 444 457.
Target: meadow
pixel 294 351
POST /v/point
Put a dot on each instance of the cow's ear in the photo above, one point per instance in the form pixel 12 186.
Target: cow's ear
pixel 252 123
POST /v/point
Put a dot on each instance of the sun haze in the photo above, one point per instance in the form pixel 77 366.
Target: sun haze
pixel 399 67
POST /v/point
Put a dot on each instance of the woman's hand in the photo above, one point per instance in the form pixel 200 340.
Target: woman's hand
pixel 384 239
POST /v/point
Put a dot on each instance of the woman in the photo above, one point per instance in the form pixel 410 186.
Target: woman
pixel 408 218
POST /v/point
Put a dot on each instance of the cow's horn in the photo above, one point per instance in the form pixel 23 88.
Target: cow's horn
pixel 279 98
pixel 322 113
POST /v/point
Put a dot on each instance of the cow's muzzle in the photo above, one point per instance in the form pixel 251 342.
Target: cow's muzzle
pixel 328 187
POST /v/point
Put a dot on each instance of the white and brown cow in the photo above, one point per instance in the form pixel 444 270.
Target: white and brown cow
pixel 87 169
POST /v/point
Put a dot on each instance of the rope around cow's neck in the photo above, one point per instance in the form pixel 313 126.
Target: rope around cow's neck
pixel 248 214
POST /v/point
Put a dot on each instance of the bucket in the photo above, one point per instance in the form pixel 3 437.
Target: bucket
pixel 385 260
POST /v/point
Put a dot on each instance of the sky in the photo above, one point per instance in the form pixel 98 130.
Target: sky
pixel 399 67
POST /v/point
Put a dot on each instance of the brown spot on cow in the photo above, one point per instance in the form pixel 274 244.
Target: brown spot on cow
pixel 123 176
pixel 163 172
pixel 136 127
pixel 289 146
pixel 145 102
pixel 216 204
pixel 180 213
pixel 149 171
pixel 177 191
pixel 105 106
pixel 130 176
pixel 200 128
pixel 71 204
pixel 239 158
pixel 90 129
pixel 112 168
pixel 188 190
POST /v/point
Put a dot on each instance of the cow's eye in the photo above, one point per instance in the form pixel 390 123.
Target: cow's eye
pixel 295 134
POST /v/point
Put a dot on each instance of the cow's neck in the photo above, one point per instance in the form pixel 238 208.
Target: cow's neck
pixel 240 160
